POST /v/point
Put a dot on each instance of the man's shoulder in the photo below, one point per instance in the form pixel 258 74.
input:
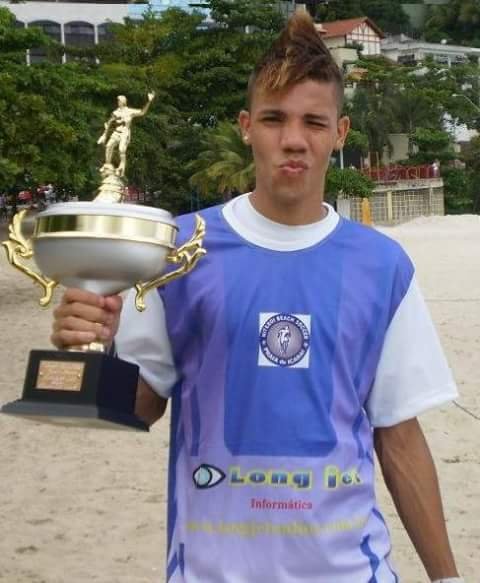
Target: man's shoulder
pixel 369 237
pixel 210 215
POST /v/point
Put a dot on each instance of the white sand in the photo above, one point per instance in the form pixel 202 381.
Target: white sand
pixel 83 506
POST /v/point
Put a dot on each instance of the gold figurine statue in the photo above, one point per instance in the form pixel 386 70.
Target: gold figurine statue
pixel 117 135
pixel 120 121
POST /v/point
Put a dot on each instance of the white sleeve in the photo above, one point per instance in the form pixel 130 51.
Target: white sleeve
pixel 412 374
pixel 142 339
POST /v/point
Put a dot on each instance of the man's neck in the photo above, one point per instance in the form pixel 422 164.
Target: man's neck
pixel 289 214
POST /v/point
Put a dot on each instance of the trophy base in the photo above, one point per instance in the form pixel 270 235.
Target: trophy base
pixel 79 389
pixel 86 416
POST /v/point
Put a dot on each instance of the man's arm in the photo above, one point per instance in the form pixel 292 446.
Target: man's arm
pixel 410 476
pixel 149 406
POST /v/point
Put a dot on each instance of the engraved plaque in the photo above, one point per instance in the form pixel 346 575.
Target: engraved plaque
pixel 54 375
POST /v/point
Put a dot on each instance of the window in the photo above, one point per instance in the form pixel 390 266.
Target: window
pixel 51 29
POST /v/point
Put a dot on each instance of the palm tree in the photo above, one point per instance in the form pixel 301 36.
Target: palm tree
pixel 225 165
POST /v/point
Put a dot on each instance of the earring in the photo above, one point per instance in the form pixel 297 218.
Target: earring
pixel 246 139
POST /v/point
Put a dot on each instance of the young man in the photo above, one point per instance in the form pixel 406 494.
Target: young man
pixel 296 346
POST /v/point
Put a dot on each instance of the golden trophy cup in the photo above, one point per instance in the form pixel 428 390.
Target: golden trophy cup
pixel 104 246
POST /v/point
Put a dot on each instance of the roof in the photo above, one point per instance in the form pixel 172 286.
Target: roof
pixel 344 27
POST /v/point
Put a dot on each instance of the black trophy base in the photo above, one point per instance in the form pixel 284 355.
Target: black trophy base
pixel 79 389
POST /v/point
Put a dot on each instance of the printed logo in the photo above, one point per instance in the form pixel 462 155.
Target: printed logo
pixel 334 478
pixel 298 479
pixel 284 340
pixel 206 476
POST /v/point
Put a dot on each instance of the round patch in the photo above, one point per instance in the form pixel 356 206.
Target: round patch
pixel 284 339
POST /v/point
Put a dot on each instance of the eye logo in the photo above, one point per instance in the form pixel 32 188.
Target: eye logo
pixel 206 476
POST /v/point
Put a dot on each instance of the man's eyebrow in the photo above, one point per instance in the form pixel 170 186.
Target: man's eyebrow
pixel 272 111
pixel 317 117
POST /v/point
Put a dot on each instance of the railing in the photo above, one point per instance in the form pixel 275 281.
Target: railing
pixel 396 172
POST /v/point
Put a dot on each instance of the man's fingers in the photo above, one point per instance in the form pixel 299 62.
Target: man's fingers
pixel 84 312
pixel 73 324
pixel 73 295
pixel 65 338
pixel 83 317
pixel 113 303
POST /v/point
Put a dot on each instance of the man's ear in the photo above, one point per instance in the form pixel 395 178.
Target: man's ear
pixel 244 123
pixel 343 127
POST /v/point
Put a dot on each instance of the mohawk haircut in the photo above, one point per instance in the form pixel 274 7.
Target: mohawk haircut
pixel 299 54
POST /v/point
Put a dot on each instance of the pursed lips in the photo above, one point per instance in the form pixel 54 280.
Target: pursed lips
pixel 293 167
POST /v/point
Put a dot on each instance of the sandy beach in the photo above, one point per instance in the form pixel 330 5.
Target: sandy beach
pixel 80 506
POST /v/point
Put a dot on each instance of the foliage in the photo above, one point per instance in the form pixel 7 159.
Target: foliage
pixel 51 115
pixel 358 141
pixel 431 145
pixel 471 156
pixel 348 182
pixel 458 190
pixel 14 42
pixel 226 165
pixel 263 16
pixel 387 14
pixel 371 108
pixel 392 98
pixel 458 22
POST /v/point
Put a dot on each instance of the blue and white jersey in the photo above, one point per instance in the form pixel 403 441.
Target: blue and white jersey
pixel 276 354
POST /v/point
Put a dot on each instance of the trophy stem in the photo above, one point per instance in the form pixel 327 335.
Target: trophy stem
pixel 92 347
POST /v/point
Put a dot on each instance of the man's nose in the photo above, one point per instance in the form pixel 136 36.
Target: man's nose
pixel 293 137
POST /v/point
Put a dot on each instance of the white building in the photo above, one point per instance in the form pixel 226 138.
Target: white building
pixel 408 51
pixel 76 24
pixel 343 37
pixel 361 31
pixel 82 24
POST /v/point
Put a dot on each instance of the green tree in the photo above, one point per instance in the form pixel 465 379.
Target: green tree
pixel 431 145
pixel 226 164
pixel 458 21
pixel 387 14
pixel 458 190
pixel 200 74
pixel 42 115
pixel 348 182
pixel 372 107
pixel 471 156
pixel 15 41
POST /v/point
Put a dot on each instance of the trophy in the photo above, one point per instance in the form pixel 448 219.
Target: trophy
pixel 104 246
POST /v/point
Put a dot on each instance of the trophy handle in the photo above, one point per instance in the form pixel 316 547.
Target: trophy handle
pixel 17 247
pixel 187 255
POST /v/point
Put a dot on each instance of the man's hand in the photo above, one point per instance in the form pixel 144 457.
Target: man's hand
pixel 84 317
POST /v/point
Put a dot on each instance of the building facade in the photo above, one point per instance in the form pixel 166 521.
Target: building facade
pixel 408 51
pixel 83 24
pixel 361 32
pixel 398 202
pixel 74 24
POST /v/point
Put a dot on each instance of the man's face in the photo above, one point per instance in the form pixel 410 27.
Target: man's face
pixel 293 134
